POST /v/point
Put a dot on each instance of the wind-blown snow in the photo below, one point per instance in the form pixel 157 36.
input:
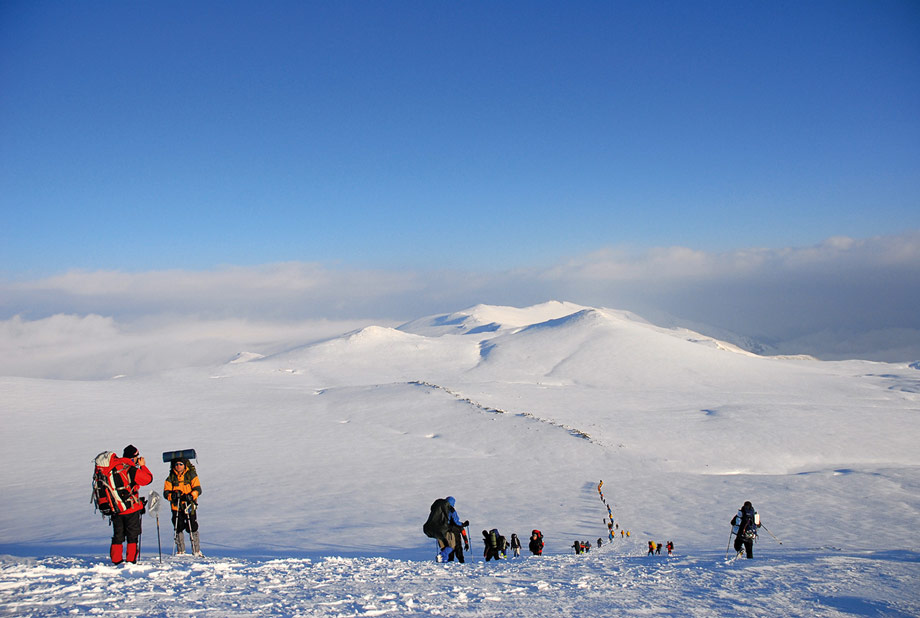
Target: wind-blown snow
pixel 319 465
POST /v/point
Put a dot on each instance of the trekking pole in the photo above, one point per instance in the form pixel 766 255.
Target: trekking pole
pixel 727 547
pixel 159 543
pixel 177 523
pixel 771 534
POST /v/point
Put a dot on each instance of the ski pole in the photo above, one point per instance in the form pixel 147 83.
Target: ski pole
pixel 771 534
pixel 183 520
pixel 730 535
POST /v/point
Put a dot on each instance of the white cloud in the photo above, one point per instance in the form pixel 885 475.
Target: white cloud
pixel 96 347
pixel 681 263
pixel 840 298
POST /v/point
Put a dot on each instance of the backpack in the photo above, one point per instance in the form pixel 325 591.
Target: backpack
pixel 495 539
pixel 747 526
pixel 436 525
pixel 112 493
pixel 536 544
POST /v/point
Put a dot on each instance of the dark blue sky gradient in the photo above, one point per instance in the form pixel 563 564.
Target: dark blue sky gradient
pixel 481 135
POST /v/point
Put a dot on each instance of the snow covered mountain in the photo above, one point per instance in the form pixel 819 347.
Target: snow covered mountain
pixel 489 318
pixel 339 447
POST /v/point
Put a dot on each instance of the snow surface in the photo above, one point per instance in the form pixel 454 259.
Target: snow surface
pixel 319 465
pixel 608 582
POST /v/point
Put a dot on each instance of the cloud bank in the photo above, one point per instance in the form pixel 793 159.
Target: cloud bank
pixel 843 298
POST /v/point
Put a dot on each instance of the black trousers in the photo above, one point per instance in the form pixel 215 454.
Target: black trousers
pixel 126 526
pixel 185 522
pixel 748 545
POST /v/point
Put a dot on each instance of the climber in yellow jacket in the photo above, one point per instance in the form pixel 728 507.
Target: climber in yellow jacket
pixel 182 489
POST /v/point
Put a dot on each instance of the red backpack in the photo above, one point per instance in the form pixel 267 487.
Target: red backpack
pixel 536 544
pixel 112 491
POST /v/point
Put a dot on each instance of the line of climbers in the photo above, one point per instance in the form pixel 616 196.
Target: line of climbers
pixel 117 482
pixel 655 548
pixel 444 525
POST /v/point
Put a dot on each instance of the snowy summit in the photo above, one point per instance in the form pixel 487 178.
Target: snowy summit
pixel 319 464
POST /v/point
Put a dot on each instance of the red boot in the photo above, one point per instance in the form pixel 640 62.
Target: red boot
pixel 132 552
pixel 115 552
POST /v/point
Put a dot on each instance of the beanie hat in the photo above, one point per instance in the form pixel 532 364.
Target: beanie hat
pixel 130 452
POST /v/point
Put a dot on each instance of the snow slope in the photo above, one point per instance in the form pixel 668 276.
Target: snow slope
pixel 338 448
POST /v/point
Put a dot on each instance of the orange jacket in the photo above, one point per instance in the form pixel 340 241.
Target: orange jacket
pixel 177 485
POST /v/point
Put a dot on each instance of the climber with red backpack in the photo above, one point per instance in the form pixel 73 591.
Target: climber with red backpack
pixel 116 486
pixel 536 543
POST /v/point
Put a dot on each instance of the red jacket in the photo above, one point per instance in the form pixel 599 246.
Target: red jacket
pixel 137 477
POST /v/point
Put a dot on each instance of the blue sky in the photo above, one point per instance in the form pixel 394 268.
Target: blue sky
pixel 740 166
pixel 473 135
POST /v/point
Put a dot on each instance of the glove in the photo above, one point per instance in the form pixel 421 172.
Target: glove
pixel 466 546
pixel 466 524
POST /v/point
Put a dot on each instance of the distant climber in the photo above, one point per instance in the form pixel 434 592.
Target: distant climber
pixel 744 527
pixel 444 525
pixel 515 546
pixel 536 543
